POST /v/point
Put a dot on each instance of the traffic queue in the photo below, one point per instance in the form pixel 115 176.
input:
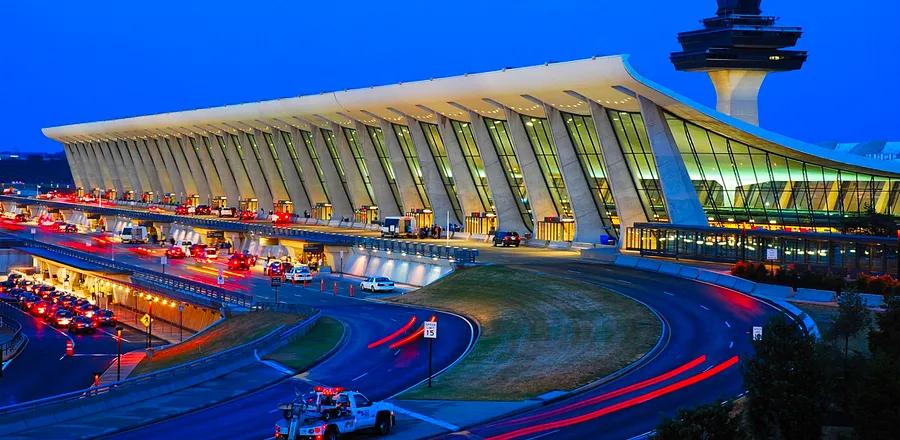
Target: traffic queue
pixel 58 308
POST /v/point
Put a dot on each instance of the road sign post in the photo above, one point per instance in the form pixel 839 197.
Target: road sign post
pixel 181 322
pixel 342 264
pixel 431 335
pixel 757 333
pixel 164 260
pixel 276 283
pixel 118 353
pixel 221 278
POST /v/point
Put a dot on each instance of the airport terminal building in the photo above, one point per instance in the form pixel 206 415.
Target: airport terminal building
pixel 575 151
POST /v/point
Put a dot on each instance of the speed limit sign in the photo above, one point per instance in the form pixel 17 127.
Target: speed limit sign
pixel 430 330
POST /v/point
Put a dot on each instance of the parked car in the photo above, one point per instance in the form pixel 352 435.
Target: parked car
pixel 298 274
pixel 82 324
pixel 280 218
pixel 105 317
pixel 202 210
pixel 39 308
pixel 247 215
pixel 225 212
pixel 62 318
pixel 377 284
pixel 507 238
pixel 275 269
pixel 175 252
pixel 240 262
pixel 185 210
pixel 87 310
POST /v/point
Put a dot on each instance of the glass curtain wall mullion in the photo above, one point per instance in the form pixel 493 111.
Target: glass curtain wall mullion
pixel 538 130
pixel 295 160
pixel 259 163
pixel 203 169
pixel 590 156
pixel 328 136
pixel 499 132
pixel 377 137
pixel 278 166
pixel 640 161
pixel 412 161
pixel 439 153
pixel 311 149
pixel 353 142
pixel 474 164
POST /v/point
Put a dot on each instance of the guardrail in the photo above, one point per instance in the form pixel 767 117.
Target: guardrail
pixel 35 413
pixel 171 282
pixel 12 346
pixel 453 253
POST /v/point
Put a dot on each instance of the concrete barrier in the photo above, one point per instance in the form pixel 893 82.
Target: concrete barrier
pixel 816 295
pixel 871 300
pixel 405 269
pixel 773 291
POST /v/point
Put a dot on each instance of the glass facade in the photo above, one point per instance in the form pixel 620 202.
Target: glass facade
pixel 632 137
pixel 412 160
pixel 255 148
pixel 466 140
pixel 499 132
pixel 360 159
pixel 541 140
pixel 311 149
pixel 203 170
pixel 328 135
pixel 439 153
pixel 278 166
pixel 292 151
pixel 377 137
pixel 240 150
pixel 209 146
pixel 590 156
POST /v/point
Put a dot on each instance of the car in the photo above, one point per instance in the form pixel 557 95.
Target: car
pixel 62 318
pixel 240 262
pixel 28 300
pixel 281 218
pixel 68 228
pixel 275 269
pixel 87 310
pixel 67 301
pixel 175 252
pixel 156 210
pixel 21 218
pixel 507 238
pixel 197 250
pixel 247 215
pixel 298 273
pixel 211 253
pixel 202 210
pixel 51 310
pixel 185 210
pixel 226 212
pixel 83 324
pixel 105 317
pixel 377 284
pixel 39 308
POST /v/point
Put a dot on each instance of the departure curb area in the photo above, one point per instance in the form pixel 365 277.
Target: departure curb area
pixel 43 412
pixel 758 290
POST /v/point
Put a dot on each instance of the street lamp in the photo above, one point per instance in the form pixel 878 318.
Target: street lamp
pixel 119 353
pixel 181 322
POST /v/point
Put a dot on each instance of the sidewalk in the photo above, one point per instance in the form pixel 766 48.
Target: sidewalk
pixel 130 360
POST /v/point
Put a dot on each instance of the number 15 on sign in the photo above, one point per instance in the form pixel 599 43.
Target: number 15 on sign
pixel 430 330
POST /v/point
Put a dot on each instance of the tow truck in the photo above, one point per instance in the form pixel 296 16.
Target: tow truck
pixel 327 413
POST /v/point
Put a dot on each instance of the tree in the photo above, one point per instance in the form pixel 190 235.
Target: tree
pixel 886 338
pixel 853 316
pixel 707 422
pixel 876 407
pixel 785 396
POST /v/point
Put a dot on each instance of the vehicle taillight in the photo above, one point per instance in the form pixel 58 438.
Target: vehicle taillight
pixel 277 431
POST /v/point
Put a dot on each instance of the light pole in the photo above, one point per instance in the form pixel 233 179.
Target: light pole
pixel 181 322
pixel 119 353
pixel 150 324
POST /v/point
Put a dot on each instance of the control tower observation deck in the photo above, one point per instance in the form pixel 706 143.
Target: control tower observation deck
pixel 738 48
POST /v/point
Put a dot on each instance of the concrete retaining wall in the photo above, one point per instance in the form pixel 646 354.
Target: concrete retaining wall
pixel 408 269
pixel 10 258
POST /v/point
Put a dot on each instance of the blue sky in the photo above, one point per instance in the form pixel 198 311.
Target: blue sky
pixel 68 62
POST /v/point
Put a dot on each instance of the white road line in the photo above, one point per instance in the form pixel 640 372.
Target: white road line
pixel 707 368
pixel 424 418
pixel 727 324
pixel 62 357
pixel 360 376
pixel 669 293
pixel 704 307
pixel 396 352
pixel 544 434
pixel 93 354
pixel 114 336
pixel 731 344
pixel 625 282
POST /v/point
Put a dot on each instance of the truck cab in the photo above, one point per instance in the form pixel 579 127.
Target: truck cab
pixel 134 234
pixel 328 413
pixel 398 227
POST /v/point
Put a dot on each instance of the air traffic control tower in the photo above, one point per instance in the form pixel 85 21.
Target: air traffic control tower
pixel 738 47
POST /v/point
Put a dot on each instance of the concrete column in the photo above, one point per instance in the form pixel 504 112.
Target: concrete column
pixel 508 215
pixel 236 165
pixel 260 180
pixel 431 176
pixel 160 167
pixel 358 194
pixel 120 147
pixel 387 206
pixel 681 198
pixel 314 188
pixel 628 202
pixel 111 167
pixel 340 200
pixel 188 178
pixel 269 168
pixel 469 199
pixel 212 159
pixel 175 174
pixel 74 165
pixel 125 177
pixel 535 185
pixel 149 168
pixel 91 167
pixel 589 224
pixel 296 187
pixel 737 92
pixel 193 163
pixel 94 152
pixel 409 195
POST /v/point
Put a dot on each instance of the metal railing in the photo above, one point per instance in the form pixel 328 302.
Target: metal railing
pixel 459 255
pixel 13 417
pixel 170 282
pixel 9 321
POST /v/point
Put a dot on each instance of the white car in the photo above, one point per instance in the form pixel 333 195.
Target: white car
pixel 298 273
pixel 377 284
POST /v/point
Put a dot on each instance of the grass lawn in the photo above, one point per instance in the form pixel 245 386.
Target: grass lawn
pixel 229 333
pixel 538 333
pixel 824 316
pixel 303 351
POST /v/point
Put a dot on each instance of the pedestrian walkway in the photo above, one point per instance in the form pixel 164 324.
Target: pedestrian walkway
pixel 130 360
pixel 161 329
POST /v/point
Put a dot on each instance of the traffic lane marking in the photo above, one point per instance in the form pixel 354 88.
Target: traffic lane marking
pixel 360 376
pixel 424 418
pixel 704 307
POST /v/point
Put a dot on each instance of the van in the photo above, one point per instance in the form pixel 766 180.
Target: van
pixel 398 227
pixel 134 234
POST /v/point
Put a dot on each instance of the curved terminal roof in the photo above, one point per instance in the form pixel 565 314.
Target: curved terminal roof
pixel 609 81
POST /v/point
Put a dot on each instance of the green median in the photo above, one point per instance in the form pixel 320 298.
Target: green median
pixel 538 333
pixel 304 351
